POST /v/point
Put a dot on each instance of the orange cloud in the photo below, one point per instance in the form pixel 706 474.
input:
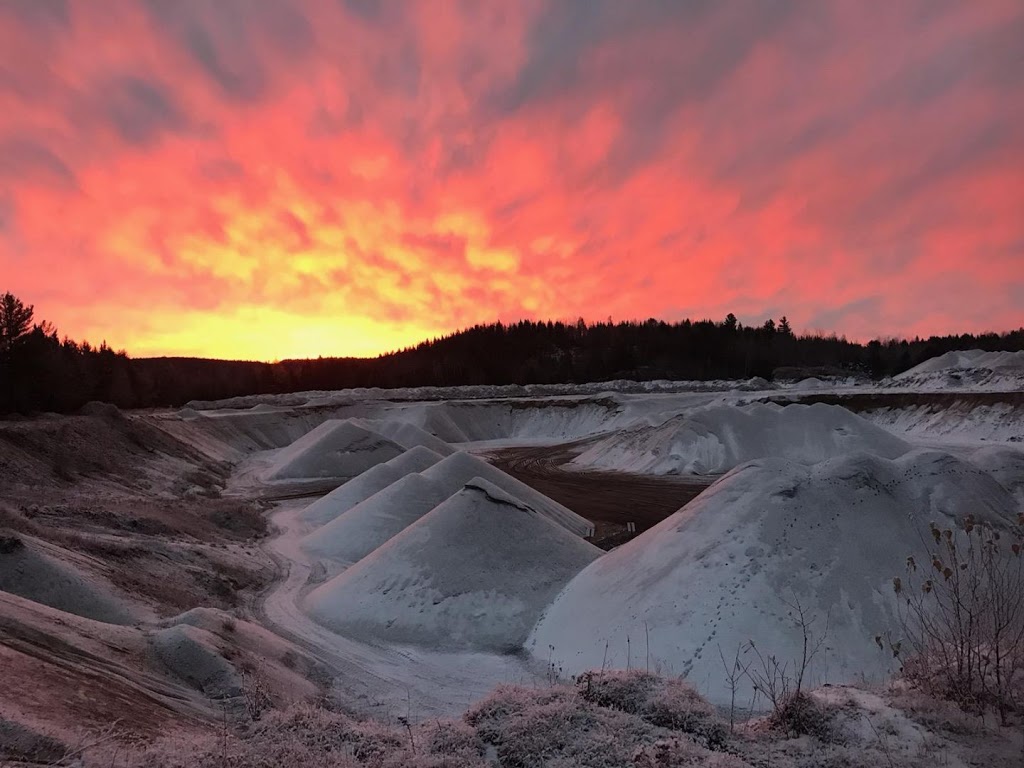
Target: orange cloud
pixel 289 179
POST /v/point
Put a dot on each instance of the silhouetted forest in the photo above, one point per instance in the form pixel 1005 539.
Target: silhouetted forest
pixel 39 371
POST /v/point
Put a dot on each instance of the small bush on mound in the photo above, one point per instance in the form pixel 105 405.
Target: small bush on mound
pixel 629 691
pixel 556 727
pixel 666 703
pixel 801 715
pixel 680 753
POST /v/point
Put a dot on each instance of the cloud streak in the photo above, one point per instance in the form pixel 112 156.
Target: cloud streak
pixel 271 179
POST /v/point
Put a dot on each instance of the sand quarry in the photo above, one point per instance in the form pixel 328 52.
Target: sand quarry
pixel 402 552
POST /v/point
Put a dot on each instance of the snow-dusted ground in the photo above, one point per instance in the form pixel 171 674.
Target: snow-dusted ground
pixel 401 567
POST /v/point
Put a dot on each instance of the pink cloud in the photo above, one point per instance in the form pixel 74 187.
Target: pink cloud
pixel 409 168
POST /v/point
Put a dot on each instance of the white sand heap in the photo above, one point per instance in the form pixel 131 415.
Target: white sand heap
pixel 32 570
pixel 973 369
pixel 335 449
pixel 460 468
pixel 363 486
pixel 351 536
pixel 410 436
pixel 472 421
pixel 474 573
pixel 720 572
pixel 355 533
pixel 717 438
pixel 969 359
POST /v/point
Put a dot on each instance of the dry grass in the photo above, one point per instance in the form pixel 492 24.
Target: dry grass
pixel 604 720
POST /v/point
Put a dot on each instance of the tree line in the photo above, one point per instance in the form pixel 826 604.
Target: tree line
pixel 39 371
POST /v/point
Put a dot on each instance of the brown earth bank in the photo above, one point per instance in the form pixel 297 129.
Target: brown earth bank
pixel 124 567
pixel 610 500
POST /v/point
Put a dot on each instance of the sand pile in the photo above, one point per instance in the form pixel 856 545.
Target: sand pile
pixel 721 571
pixel 32 570
pixel 192 654
pixel 474 421
pixel 460 468
pixel 362 487
pixel 335 449
pixel 715 439
pixel 410 436
pixel 966 360
pixel 356 533
pixel 973 369
pixel 474 573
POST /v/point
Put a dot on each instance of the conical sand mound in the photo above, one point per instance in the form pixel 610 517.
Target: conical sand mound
pixel 729 567
pixel 474 573
pixel 410 436
pixel 335 449
pixel 369 524
pixel 715 439
pixel 360 488
pixel 460 468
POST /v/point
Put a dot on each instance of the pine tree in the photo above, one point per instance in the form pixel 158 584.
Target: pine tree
pixel 15 320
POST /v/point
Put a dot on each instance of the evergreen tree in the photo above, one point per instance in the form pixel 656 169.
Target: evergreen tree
pixel 15 321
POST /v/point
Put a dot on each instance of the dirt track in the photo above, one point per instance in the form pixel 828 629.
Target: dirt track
pixel 609 499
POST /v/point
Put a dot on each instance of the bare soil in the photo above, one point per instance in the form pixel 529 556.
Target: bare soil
pixel 610 500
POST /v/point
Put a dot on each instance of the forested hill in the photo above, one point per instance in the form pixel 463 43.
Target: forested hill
pixel 39 372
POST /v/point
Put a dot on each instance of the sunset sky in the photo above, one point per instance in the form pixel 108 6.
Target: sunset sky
pixel 265 179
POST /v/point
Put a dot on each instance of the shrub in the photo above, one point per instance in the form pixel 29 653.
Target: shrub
pixel 802 715
pixel 679 753
pixel 666 703
pixel 677 706
pixel 628 691
pixel 557 727
pixel 962 617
